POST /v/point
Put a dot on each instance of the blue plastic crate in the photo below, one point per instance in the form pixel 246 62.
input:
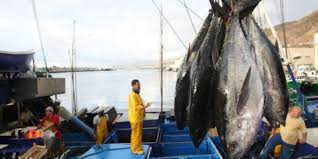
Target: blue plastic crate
pixel 150 135
pixel 175 138
pixel 172 129
pixel 146 123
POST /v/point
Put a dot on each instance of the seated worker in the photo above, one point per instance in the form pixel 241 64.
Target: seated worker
pixel 100 127
pixel 275 129
pixel 26 117
pixel 52 136
pixel 288 135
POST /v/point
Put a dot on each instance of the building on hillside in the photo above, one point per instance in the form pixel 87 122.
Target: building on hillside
pixel 316 51
pixel 300 57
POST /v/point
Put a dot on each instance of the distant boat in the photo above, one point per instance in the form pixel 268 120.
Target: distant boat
pixel 15 61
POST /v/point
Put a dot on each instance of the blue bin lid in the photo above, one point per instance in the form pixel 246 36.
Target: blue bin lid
pixel 113 151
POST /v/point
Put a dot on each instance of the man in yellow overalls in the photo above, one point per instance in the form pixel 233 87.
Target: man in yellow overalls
pixel 100 125
pixel 136 114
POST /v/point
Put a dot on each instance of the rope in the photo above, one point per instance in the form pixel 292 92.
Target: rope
pixel 187 9
pixel 166 20
pixel 39 34
pixel 194 13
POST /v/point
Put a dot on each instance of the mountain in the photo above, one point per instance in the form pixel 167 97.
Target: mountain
pixel 299 33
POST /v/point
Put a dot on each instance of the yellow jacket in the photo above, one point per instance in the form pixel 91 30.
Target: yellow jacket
pixel 136 112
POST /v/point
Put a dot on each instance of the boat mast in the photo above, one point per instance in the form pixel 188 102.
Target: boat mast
pixel 40 37
pixel 73 69
pixel 161 59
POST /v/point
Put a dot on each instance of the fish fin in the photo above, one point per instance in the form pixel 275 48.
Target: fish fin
pixel 189 52
pixel 222 11
pixel 244 92
pixel 199 58
pixel 276 45
pixel 215 50
pixel 215 58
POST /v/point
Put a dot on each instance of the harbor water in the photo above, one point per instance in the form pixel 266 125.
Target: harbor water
pixel 111 88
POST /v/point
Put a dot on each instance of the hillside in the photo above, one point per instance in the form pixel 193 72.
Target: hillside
pixel 299 33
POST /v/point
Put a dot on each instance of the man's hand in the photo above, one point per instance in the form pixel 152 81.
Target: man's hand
pixel 302 141
pixel 303 138
pixel 48 126
pixel 272 133
pixel 148 105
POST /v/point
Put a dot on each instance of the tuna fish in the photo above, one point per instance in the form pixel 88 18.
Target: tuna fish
pixel 232 72
pixel 183 81
pixel 238 96
pixel 202 69
pixel 275 85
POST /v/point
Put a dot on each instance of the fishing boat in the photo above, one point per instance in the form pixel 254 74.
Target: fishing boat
pixel 15 61
pixel 13 64
pixel 307 79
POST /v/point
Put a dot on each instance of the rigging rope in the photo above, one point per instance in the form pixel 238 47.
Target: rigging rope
pixel 283 27
pixel 194 13
pixel 187 9
pixel 39 34
pixel 166 20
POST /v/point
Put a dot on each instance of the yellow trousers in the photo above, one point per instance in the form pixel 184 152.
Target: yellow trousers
pixel 136 136
pixel 100 137
pixel 101 130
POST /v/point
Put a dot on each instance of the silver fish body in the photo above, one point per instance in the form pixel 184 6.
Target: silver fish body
pixel 202 70
pixel 183 81
pixel 275 85
pixel 239 97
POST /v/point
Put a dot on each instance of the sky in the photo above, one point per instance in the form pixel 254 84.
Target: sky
pixel 113 32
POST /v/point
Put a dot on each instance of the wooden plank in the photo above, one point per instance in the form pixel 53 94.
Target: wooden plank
pixel 36 152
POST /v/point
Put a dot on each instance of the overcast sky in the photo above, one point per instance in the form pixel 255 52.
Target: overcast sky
pixel 111 32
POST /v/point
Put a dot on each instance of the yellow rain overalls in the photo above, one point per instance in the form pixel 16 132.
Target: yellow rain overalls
pixel 136 114
pixel 278 148
pixel 101 130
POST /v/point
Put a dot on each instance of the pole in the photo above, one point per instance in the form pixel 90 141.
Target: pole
pixel 40 35
pixel 161 59
pixel 73 67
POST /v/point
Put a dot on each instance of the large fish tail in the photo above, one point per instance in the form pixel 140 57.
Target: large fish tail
pixel 234 7
pixel 241 6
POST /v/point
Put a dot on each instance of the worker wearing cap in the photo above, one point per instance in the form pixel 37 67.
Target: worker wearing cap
pixel 49 124
pixel 136 114
pixel 288 135
pixel 100 127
